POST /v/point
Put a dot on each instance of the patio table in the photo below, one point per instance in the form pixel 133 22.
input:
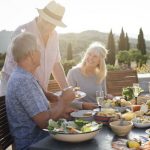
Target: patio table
pixel 101 142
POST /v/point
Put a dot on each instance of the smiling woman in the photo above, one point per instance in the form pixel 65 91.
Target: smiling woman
pixel 90 74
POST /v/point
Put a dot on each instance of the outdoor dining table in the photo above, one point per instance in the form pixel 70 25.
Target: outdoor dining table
pixel 101 142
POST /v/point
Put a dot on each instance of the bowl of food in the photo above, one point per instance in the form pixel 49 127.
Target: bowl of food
pixel 73 131
pixel 141 122
pixel 121 129
pixel 118 103
pixel 106 116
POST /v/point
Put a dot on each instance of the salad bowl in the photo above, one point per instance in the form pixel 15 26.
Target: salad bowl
pixel 73 131
pixel 78 137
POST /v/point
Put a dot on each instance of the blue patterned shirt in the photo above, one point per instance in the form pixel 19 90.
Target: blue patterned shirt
pixel 24 100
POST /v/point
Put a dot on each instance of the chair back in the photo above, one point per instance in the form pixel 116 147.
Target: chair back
pixel 53 86
pixel 5 136
pixel 116 80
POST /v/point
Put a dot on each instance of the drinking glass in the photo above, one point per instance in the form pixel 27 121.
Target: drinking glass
pixel 149 87
pixel 136 91
pixel 99 98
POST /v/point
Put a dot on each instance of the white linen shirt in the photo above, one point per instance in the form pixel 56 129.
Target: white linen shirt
pixel 50 54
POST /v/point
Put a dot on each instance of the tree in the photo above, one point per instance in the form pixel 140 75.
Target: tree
pixel 69 52
pixel 135 55
pixel 141 42
pixel 121 44
pixel 111 48
pixel 127 44
pixel 123 57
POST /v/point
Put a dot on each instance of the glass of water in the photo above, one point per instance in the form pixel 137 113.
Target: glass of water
pixel 99 98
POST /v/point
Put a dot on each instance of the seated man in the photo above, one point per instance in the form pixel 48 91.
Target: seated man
pixel 27 107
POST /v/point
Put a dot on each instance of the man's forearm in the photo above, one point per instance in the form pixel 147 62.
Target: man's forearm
pixel 51 97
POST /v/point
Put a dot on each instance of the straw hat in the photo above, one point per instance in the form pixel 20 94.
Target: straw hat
pixel 53 13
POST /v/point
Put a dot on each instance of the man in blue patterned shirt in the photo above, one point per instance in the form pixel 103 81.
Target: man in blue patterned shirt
pixel 28 109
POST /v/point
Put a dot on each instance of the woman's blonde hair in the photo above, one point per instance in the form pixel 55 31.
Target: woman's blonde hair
pixel 101 69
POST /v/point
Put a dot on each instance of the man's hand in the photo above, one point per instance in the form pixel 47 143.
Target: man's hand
pixel 52 97
pixel 67 112
pixel 68 95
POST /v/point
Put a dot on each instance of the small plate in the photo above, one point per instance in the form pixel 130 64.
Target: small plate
pixel 82 113
pixel 141 125
pixel 122 109
pixel 147 131
pixel 79 94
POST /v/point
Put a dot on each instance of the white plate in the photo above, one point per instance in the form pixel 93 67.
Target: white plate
pixel 147 131
pixel 122 109
pixel 81 113
pixel 82 94
pixel 80 137
pixel 140 125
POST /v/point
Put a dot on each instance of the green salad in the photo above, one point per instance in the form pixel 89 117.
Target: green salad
pixel 77 126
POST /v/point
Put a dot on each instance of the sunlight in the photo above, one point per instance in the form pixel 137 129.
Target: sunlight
pixel 82 15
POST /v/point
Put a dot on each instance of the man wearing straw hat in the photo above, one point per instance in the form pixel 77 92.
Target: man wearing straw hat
pixel 43 27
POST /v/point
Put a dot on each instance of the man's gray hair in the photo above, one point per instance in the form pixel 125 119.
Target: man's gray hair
pixel 22 45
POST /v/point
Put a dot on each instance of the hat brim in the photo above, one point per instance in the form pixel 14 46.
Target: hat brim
pixel 50 19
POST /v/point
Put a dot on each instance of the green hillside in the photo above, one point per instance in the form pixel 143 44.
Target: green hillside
pixel 79 41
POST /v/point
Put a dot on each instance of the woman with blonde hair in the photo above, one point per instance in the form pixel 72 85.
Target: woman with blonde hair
pixel 90 74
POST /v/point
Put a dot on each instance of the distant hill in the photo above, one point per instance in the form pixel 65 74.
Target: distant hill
pixel 79 41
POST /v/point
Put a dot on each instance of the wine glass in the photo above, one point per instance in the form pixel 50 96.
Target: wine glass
pixel 136 91
pixel 99 98
pixel 149 87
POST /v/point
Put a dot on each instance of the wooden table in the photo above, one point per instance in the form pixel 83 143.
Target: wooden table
pixel 101 142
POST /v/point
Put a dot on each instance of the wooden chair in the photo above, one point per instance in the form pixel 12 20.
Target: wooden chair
pixel 116 80
pixel 5 137
pixel 53 86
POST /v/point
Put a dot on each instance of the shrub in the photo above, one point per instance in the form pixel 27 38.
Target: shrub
pixel 112 67
pixel 134 55
pixel 68 64
pixel 123 57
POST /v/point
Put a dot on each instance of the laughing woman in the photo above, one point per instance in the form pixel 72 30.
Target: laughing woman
pixel 90 75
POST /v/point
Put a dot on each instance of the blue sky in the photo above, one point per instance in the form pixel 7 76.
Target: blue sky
pixel 81 15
